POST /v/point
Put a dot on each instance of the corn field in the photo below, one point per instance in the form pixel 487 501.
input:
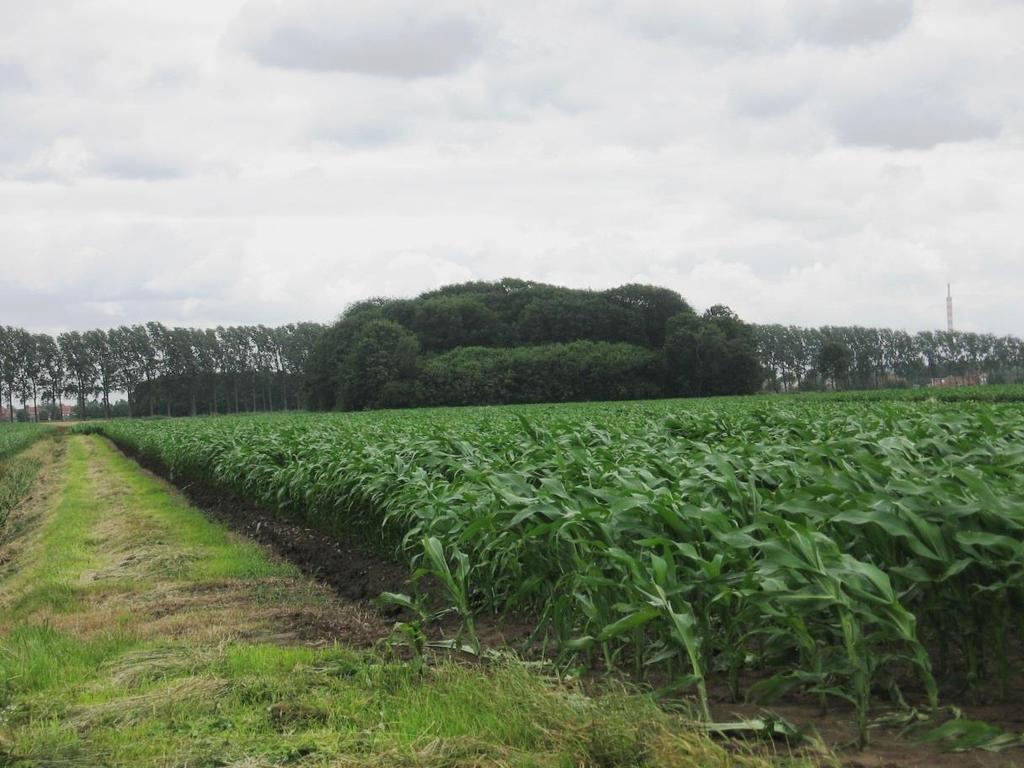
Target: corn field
pixel 16 472
pixel 773 545
pixel 18 436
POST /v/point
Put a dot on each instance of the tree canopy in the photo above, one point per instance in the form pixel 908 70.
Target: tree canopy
pixel 175 371
pixel 514 341
pixel 881 357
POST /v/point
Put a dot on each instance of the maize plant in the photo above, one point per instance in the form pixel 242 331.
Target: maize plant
pixel 834 547
pixel 18 436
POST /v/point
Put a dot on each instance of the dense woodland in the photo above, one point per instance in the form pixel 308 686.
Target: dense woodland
pixel 514 341
pixel 510 341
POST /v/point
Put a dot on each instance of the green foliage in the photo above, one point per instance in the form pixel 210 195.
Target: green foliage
pixel 654 306
pixel 834 361
pixel 883 357
pixel 715 354
pixel 583 370
pixel 456 583
pixel 16 472
pixel 121 646
pixel 812 542
pixel 383 353
pixel 960 735
pixel 446 322
pixel 19 436
pixel 16 476
pixel 502 342
pixel 520 342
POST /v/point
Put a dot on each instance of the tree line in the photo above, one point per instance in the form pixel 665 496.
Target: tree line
pixel 509 341
pixel 854 357
pixel 170 371
pixel 516 341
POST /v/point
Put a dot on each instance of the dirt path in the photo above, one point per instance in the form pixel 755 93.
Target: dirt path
pixel 135 631
pixel 144 560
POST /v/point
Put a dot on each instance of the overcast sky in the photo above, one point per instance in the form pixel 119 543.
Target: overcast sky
pixel 216 161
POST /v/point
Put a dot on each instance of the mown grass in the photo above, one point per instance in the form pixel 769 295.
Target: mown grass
pixel 62 551
pixel 107 659
pixel 217 554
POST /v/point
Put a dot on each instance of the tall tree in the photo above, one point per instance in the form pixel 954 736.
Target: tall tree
pixel 653 305
pixel 207 358
pixel 297 345
pixel 265 356
pixel 10 366
pixel 150 362
pixel 54 372
pixel 182 365
pixel 106 365
pixel 236 350
pixel 715 354
pixel 30 371
pixel 119 346
pixel 834 362
pixel 82 373
pixel 384 355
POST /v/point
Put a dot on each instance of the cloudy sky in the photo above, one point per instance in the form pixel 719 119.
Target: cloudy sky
pixel 218 161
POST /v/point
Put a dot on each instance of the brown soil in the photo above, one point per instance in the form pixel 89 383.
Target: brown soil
pixel 890 746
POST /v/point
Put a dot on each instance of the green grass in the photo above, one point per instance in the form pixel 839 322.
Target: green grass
pixel 16 476
pixel 63 552
pixel 279 706
pixel 17 471
pixel 109 659
pixel 38 658
pixel 15 437
pixel 217 555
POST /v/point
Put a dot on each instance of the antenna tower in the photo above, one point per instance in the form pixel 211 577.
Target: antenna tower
pixel 949 309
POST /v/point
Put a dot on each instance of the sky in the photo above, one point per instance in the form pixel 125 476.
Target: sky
pixel 805 162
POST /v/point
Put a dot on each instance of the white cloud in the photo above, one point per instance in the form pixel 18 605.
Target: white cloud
pixel 64 159
pixel 399 39
pixel 12 76
pixel 813 162
pixel 840 22
pixel 756 26
pixel 917 119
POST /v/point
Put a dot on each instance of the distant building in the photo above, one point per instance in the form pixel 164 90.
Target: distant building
pixel 966 380
pixel 890 380
pixel 37 413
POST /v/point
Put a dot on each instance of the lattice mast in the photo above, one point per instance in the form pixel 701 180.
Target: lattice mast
pixel 949 309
